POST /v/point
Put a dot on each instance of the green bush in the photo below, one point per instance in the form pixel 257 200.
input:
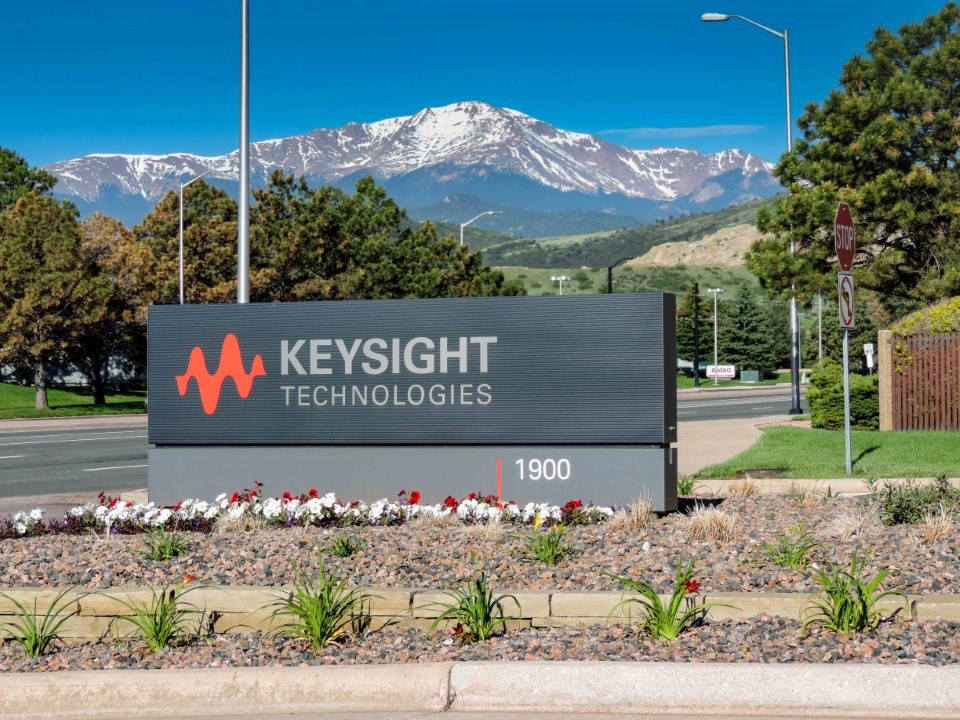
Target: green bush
pixel 825 398
pixel 907 502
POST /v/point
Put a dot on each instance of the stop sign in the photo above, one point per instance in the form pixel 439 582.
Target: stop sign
pixel 844 239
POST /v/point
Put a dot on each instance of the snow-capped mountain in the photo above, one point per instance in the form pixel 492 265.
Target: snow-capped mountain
pixel 466 148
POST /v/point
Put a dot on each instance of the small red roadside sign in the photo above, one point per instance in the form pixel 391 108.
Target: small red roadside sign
pixel 844 237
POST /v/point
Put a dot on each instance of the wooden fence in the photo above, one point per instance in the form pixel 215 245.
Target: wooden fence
pixel 924 375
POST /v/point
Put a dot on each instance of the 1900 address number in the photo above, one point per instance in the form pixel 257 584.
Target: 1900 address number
pixel 546 469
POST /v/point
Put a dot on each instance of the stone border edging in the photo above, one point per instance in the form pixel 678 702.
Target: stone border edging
pixel 853 690
pixel 232 609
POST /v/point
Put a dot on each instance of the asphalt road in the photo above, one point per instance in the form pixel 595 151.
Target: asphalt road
pixel 87 461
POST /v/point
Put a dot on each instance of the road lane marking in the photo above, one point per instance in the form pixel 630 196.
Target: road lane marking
pixel 10 457
pixel 115 467
pixel 22 436
pixel 717 403
pixel 59 442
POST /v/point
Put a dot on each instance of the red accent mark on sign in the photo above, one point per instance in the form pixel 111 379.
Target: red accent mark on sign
pixel 231 365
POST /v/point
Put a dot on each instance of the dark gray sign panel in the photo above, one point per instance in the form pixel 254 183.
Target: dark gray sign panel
pixel 578 370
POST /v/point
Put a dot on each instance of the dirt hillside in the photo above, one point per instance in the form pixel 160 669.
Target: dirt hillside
pixel 724 247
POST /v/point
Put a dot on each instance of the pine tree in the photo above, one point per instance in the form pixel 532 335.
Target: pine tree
pixel 128 271
pixel 887 141
pixel 46 292
pixel 17 178
pixel 745 334
pixel 685 325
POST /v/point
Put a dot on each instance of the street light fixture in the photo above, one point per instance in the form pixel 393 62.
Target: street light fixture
pixel 182 186
pixel 610 274
pixel 794 323
pixel 463 225
pixel 561 278
pixel 716 293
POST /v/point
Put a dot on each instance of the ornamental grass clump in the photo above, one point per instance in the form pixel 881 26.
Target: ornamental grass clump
pixel 343 546
pixel 34 632
pixel 666 621
pixel 847 602
pixel 164 620
pixel 477 611
pixel 550 547
pixel 163 546
pixel 321 612
pixel 907 502
pixel 793 550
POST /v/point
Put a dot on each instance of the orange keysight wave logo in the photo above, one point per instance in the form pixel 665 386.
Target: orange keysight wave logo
pixel 231 365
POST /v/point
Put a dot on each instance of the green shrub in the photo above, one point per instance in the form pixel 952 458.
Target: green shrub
pixel 825 398
pixel 907 502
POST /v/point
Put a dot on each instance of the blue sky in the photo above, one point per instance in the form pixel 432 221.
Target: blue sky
pixel 156 77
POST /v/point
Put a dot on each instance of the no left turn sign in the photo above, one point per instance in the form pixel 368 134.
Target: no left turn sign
pixel 847 305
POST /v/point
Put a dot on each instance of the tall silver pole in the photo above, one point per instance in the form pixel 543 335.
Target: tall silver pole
pixel 846 398
pixel 181 243
pixel 243 229
pixel 794 322
pixel 461 234
pixel 820 326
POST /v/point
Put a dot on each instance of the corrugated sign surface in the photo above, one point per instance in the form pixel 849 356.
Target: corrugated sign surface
pixel 559 370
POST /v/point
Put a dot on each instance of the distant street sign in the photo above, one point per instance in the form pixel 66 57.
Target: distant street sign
pixel 847 305
pixel 844 237
pixel 868 349
pixel 722 372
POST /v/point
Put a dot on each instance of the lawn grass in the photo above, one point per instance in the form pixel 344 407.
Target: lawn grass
pixel 819 454
pixel 17 401
pixel 684 382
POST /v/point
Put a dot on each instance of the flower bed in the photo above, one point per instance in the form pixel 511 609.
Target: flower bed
pixel 311 509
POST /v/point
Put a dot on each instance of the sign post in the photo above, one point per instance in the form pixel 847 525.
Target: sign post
pixel 844 238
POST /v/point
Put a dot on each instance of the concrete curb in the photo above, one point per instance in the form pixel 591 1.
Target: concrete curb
pixel 228 691
pixel 79 422
pixel 737 689
pixel 571 688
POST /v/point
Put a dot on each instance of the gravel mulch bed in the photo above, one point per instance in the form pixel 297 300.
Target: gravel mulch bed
pixel 435 556
pixel 760 640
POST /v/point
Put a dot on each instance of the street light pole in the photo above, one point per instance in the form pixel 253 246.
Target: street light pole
pixel 182 186
pixel 561 278
pixel 610 274
pixel 794 323
pixel 463 225
pixel 243 226
pixel 716 293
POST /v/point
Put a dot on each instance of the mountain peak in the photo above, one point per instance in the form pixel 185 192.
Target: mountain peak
pixel 452 139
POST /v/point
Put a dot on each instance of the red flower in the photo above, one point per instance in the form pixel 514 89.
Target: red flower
pixel 472 496
pixel 314 493
pixel 234 498
pixel 691 586
pixel 450 502
pixel 287 496
pixel 401 493
pixel 414 497
pixel 573 505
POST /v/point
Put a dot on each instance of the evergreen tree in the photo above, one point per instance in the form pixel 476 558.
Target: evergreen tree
pixel 46 292
pixel 17 178
pixel 745 333
pixel 209 245
pixel 685 326
pixel 888 142
pixel 322 244
pixel 128 271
